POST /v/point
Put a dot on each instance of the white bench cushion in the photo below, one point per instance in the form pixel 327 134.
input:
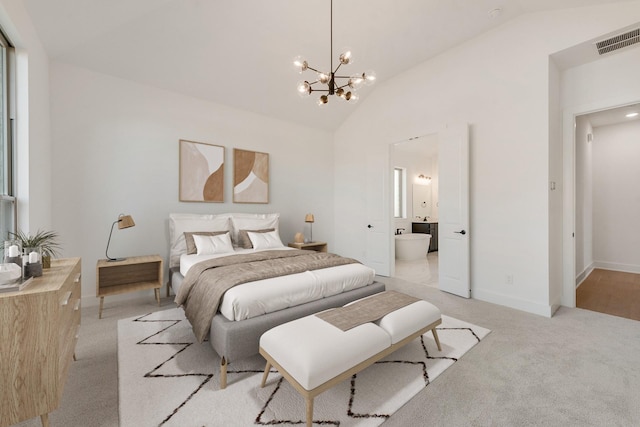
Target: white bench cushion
pixel 313 351
pixel 409 319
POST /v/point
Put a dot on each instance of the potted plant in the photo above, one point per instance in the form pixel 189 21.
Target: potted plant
pixel 47 241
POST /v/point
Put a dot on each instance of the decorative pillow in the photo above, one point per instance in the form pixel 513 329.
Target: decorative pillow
pixel 191 245
pixel 181 222
pixel 246 221
pixel 243 238
pixel 268 240
pixel 210 245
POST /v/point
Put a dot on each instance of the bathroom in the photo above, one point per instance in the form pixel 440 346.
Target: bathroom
pixel 416 209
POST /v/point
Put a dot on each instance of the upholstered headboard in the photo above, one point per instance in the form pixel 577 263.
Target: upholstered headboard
pixel 232 222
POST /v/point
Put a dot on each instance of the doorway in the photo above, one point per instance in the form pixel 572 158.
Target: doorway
pixel 606 208
pixel 416 201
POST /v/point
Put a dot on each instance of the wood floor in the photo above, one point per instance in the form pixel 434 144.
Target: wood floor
pixel 611 292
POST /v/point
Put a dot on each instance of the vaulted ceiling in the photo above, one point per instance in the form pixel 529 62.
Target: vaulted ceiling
pixel 239 53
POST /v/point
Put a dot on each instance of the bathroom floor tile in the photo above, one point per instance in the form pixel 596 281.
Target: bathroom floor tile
pixel 423 272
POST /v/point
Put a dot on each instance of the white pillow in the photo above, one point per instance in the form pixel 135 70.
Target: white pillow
pixel 269 240
pixel 181 222
pixel 246 221
pixel 210 245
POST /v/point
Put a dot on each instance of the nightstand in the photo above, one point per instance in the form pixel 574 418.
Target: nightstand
pixel 312 246
pixel 129 275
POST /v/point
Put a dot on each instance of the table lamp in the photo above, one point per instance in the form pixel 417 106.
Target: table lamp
pixel 123 221
pixel 309 218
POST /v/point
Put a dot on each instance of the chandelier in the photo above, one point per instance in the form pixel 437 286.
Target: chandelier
pixel 330 82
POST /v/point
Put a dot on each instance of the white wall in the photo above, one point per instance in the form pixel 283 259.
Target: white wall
pixel 584 197
pixel 499 83
pixel 555 187
pixel 616 201
pixel 116 151
pixel 33 163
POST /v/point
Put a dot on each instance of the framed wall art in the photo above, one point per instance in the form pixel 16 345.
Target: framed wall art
pixel 250 176
pixel 201 172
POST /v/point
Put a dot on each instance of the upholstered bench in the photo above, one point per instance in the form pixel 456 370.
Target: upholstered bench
pixel 314 355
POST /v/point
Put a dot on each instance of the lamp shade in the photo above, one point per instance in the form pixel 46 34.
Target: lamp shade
pixel 309 218
pixel 125 221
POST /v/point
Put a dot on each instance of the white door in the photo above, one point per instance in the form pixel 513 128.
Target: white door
pixel 453 211
pixel 378 207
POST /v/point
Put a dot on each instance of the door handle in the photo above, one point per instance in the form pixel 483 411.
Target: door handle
pixel 369 226
pixel 461 232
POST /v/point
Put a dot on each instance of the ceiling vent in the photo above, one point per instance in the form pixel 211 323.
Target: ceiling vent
pixel 618 42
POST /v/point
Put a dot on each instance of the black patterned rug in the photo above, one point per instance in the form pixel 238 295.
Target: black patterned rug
pixel 165 378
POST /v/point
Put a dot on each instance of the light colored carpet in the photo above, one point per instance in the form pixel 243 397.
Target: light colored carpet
pixel 579 368
pixel 159 358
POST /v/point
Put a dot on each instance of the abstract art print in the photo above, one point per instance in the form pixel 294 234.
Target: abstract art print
pixel 250 176
pixel 201 172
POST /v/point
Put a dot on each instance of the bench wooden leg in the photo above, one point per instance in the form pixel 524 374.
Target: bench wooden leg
pixel 435 336
pixel 266 374
pixel 44 419
pixel 223 373
pixel 309 411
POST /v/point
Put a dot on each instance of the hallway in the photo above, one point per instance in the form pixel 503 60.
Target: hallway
pixel 610 292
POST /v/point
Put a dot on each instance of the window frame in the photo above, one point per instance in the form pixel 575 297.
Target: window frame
pixel 7 140
pixel 399 193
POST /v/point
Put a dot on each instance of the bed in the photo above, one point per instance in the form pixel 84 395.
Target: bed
pixel 215 247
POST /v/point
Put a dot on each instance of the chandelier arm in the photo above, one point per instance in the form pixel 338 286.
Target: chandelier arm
pixel 337 68
pixel 313 69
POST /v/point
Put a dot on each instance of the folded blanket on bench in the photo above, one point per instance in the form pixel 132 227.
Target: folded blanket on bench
pixel 366 310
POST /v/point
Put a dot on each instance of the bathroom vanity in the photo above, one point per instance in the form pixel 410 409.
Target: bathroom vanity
pixel 427 228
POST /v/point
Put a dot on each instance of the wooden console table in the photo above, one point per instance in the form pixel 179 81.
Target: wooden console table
pixel 129 275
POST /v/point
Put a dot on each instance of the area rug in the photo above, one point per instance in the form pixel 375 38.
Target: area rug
pixel 165 378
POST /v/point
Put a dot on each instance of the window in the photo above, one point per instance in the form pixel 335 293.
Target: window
pixel 399 203
pixel 7 199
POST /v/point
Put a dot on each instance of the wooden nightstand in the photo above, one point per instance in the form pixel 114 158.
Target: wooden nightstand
pixel 132 274
pixel 313 246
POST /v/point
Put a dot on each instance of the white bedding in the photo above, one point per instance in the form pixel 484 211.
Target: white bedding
pixel 265 296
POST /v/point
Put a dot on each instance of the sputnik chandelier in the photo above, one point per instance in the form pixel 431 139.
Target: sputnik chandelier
pixel 330 82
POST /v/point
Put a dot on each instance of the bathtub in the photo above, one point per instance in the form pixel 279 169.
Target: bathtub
pixel 412 246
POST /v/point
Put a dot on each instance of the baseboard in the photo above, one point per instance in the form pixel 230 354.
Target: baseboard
pixel 544 310
pixel 585 273
pixel 626 268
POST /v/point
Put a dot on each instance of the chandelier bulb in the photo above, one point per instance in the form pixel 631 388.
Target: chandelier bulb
pixel 323 100
pixel 369 77
pixel 304 89
pixel 340 92
pixel 300 64
pixel 324 78
pixel 355 81
pixel 346 58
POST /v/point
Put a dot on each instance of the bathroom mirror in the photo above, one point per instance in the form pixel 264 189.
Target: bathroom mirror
pixel 421 201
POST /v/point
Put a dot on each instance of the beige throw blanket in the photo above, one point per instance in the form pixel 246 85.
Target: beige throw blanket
pixel 206 282
pixel 366 310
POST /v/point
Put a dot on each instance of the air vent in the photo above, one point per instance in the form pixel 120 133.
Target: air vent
pixel 618 42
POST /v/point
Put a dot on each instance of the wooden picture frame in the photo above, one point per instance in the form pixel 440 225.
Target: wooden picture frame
pixel 201 172
pixel 250 176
